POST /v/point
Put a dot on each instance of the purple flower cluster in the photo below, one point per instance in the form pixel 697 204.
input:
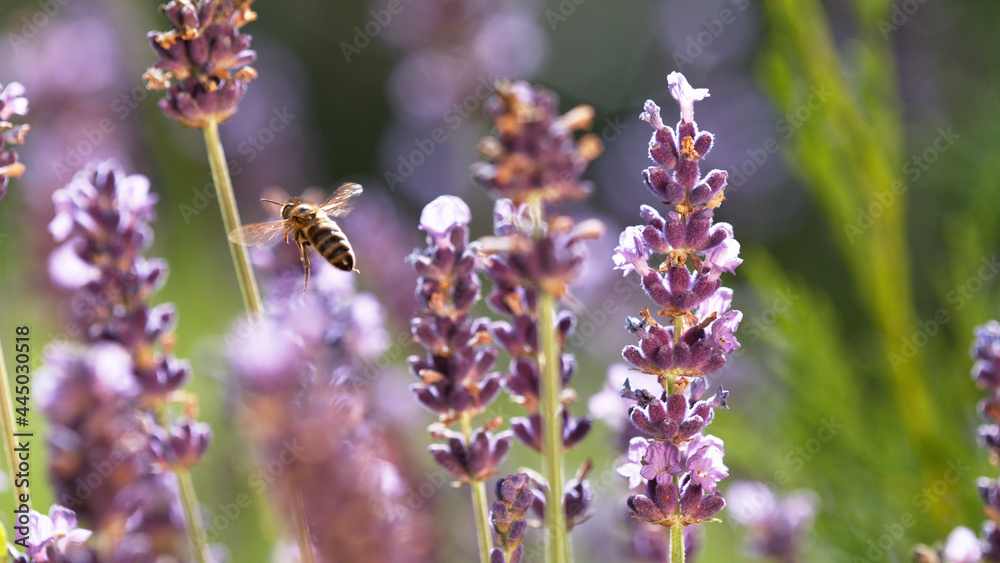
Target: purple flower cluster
pixel 534 154
pixel 53 539
pixel 779 526
pixel 203 61
pixel 304 373
pixel 673 460
pixel 113 447
pixel 963 544
pixel 533 159
pixel 456 381
pixel 453 49
pixel 12 102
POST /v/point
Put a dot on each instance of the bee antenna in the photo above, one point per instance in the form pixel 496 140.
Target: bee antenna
pixel 271 201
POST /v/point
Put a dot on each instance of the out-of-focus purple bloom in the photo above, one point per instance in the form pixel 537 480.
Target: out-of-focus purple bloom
pixel 90 398
pixel 962 546
pixel 312 415
pixel 534 154
pixel 203 61
pixel 779 527
pixel 102 216
pixel 12 102
pixel 51 537
pixel 183 446
pixel 128 372
pixel 453 50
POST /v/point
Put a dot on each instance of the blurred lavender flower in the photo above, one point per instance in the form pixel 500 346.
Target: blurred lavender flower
pixel 779 527
pixel 106 401
pixel 53 539
pixel 452 49
pixel 304 374
pixel 204 60
pixel 88 111
pixel 534 153
pixel 12 102
pixel 681 466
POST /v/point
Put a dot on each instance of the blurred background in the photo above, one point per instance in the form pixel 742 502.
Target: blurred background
pixel 861 143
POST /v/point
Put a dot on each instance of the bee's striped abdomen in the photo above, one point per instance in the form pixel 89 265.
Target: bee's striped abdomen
pixel 327 238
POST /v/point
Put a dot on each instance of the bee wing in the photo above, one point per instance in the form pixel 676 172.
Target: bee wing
pixel 258 234
pixel 342 200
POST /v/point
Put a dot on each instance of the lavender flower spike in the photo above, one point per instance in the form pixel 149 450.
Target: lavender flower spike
pixel 963 544
pixel 12 102
pixel 680 466
pixel 456 380
pixel 106 399
pixel 204 60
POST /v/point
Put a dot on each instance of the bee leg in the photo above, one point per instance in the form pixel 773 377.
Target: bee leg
pixel 304 256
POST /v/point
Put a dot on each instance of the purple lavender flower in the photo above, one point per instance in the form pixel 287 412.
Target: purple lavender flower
pixel 105 398
pixel 514 498
pixel 304 376
pixel 454 49
pixel 98 448
pixel 455 372
pixel 204 60
pixel 533 160
pixel 12 102
pixel 54 538
pixel 102 223
pixel 534 153
pixel 681 466
pixel 779 527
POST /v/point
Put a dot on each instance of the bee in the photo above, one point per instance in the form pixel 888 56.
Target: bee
pixel 308 225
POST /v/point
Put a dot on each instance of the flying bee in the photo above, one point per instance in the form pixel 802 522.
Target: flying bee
pixel 308 225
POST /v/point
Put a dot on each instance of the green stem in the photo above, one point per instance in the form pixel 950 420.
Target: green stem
pixel 10 444
pixel 301 526
pixel 552 444
pixel 196 530
pixel 479 504
pixel 248 287
pixel 550 368
pixel 231 218
pixel 677 543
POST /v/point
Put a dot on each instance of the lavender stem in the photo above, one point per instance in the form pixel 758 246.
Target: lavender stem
pixel 231 217
pixel 552 442
pixel 8 431
pixel 677 541
pixel 192 514
pixel 480 506
pixel 301 526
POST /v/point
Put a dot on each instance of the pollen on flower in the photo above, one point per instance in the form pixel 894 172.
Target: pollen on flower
pixel 687 149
